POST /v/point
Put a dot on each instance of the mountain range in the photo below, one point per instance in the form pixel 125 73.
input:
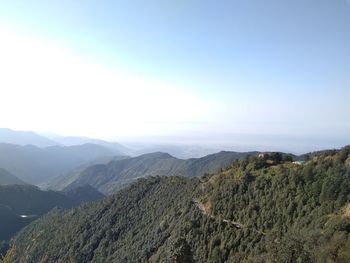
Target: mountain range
pixel 111 177
pixel 37 165
pixel 8 178
pixel 259 209
pixel 117 148
pixel 42 140
pixel 24 138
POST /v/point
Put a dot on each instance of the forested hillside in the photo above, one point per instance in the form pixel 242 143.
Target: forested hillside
pixel 84 194
pixel 21 204
pixel 111 177
pixel 260 209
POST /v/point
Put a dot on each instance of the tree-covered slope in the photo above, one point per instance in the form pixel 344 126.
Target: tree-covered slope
pixel 64 182
pixel 21 204
pixel 30 200
pixel 84 194
pixel 113 230
pixel 108 178
pixel 8 178
pixel 256 210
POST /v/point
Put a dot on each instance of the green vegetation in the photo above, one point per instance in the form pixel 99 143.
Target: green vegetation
pixel 260 209
pixel 111 177
pixel 84 194
pixel 21 204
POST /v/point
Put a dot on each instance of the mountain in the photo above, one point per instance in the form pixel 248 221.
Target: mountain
pixel 212 163
pixel 29 199
pixel 109 178
pixel 178 151
pixel 260 209
pixel 83 194
pixel 36 165
pixel 21 204
pixel 8 178
pixel 68 178
pixel 117 148
pixel 24 138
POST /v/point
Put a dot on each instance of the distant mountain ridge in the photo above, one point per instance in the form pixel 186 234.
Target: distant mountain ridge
pixel 72 174
pixel 8 178
pixel 36 165
pixel 24 138
pixel 177 150
pixel 109 178
pixel 117 148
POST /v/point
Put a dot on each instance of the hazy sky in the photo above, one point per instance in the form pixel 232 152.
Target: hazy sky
pixel 209 68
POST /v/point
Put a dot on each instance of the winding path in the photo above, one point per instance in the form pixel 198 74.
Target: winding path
pixel 205 212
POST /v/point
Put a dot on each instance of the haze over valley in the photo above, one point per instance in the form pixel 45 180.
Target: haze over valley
pixel 175 131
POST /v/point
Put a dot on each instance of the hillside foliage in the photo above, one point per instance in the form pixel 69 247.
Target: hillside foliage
pixel 117 174
pixel 260 209
pixel 21 204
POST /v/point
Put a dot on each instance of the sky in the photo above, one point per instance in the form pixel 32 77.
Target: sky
pixel 245 72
